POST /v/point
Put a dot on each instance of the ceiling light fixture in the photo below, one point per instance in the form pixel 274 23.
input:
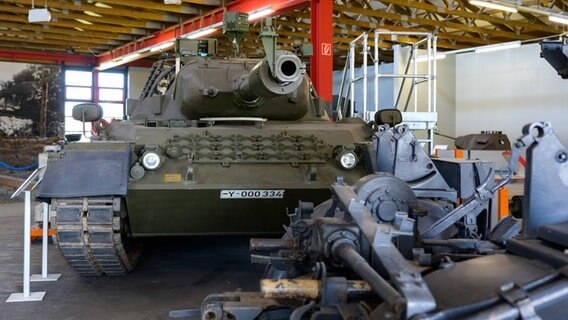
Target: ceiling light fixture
pixel 132 56
pixel 78 29
pixel 38 15
pixel 259 13
pixel 500 46
pixel 200 33
pixel 83 21
pixel 92 14
pixel 102 5
pixel 558 19
pixel 118 61
pixel 493 5
pixel 162 46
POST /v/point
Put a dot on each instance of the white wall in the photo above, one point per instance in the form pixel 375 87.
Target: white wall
pixel 504 90
pixel 136 80
pixel 446 100
pixel 386 88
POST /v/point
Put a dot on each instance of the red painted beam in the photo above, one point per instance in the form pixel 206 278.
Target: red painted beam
pixel 210 18
pixel 46 57
pixel 321 63
pixel 96 86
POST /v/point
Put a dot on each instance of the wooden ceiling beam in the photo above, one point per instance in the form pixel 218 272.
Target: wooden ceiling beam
pixel 283 41
pixel 157 6
pixel 213 3
pixel 74 44
pixel 340 31
pixel 64 31
pixel 306 35
pixel 472 15
pixel 138 14
pixel 537 20
pixel 71 16
pixel 72 25
pixel 374 26
pixel 427 22
pixel 35 55
pixel 86 40
pixel 39 48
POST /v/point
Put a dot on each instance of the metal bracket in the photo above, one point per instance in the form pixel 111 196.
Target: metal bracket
pixel 38 173
pixel 473 205
pixel 268 36
pixel 519 298
pixel 406 277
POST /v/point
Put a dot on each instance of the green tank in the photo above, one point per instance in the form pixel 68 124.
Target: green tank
pixel 213 146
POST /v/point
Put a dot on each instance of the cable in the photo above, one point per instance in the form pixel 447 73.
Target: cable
pixel 5 165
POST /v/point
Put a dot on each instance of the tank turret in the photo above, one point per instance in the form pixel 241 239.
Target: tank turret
pixel 273 88
pixel 241 87
pixel 279 73
pixel 264 83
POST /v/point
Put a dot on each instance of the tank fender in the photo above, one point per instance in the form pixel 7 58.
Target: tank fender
pixel 87 173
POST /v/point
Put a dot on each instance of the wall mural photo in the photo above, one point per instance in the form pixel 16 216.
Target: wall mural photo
pixel 30 101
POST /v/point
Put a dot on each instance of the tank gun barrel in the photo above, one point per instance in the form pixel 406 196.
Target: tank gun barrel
pixel 266 82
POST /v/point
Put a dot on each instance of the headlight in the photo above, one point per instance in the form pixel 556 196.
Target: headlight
pixel 347 159
pixel 151 160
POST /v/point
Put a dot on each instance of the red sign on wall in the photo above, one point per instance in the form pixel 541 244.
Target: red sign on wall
pixel 326 49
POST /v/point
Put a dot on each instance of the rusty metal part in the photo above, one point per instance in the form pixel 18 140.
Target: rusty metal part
pixel 290 288
pixel 271 245
pixel 308 288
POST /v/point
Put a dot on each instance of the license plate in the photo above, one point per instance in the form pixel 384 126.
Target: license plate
pixel 252 194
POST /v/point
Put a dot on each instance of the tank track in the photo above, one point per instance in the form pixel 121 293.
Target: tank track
pixel 91 234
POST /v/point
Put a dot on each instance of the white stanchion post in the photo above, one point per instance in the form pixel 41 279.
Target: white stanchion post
pixel 27 295
pixel 45 242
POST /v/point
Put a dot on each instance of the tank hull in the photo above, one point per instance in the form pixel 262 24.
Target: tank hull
pixel 212 146
pixel 168 202
pixel 201 212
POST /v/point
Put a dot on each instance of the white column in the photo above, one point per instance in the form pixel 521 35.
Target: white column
pixel 45 242
pixel 27 295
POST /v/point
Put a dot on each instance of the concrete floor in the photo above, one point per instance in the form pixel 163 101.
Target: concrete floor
pixel 173 273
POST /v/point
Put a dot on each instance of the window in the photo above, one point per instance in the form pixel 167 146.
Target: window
pixel 111 80
pixel 78 93
pixel 80 88
pixel 78 78
pixel 110 94
pixel 112 110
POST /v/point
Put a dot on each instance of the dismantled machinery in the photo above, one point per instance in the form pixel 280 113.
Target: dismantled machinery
pixel 375 251
pixel 555 52
pixel 213 146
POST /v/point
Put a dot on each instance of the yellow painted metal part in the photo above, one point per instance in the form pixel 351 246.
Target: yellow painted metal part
pixel 503 200
pixel 290 288
pixel 305 288
pixel 172 177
